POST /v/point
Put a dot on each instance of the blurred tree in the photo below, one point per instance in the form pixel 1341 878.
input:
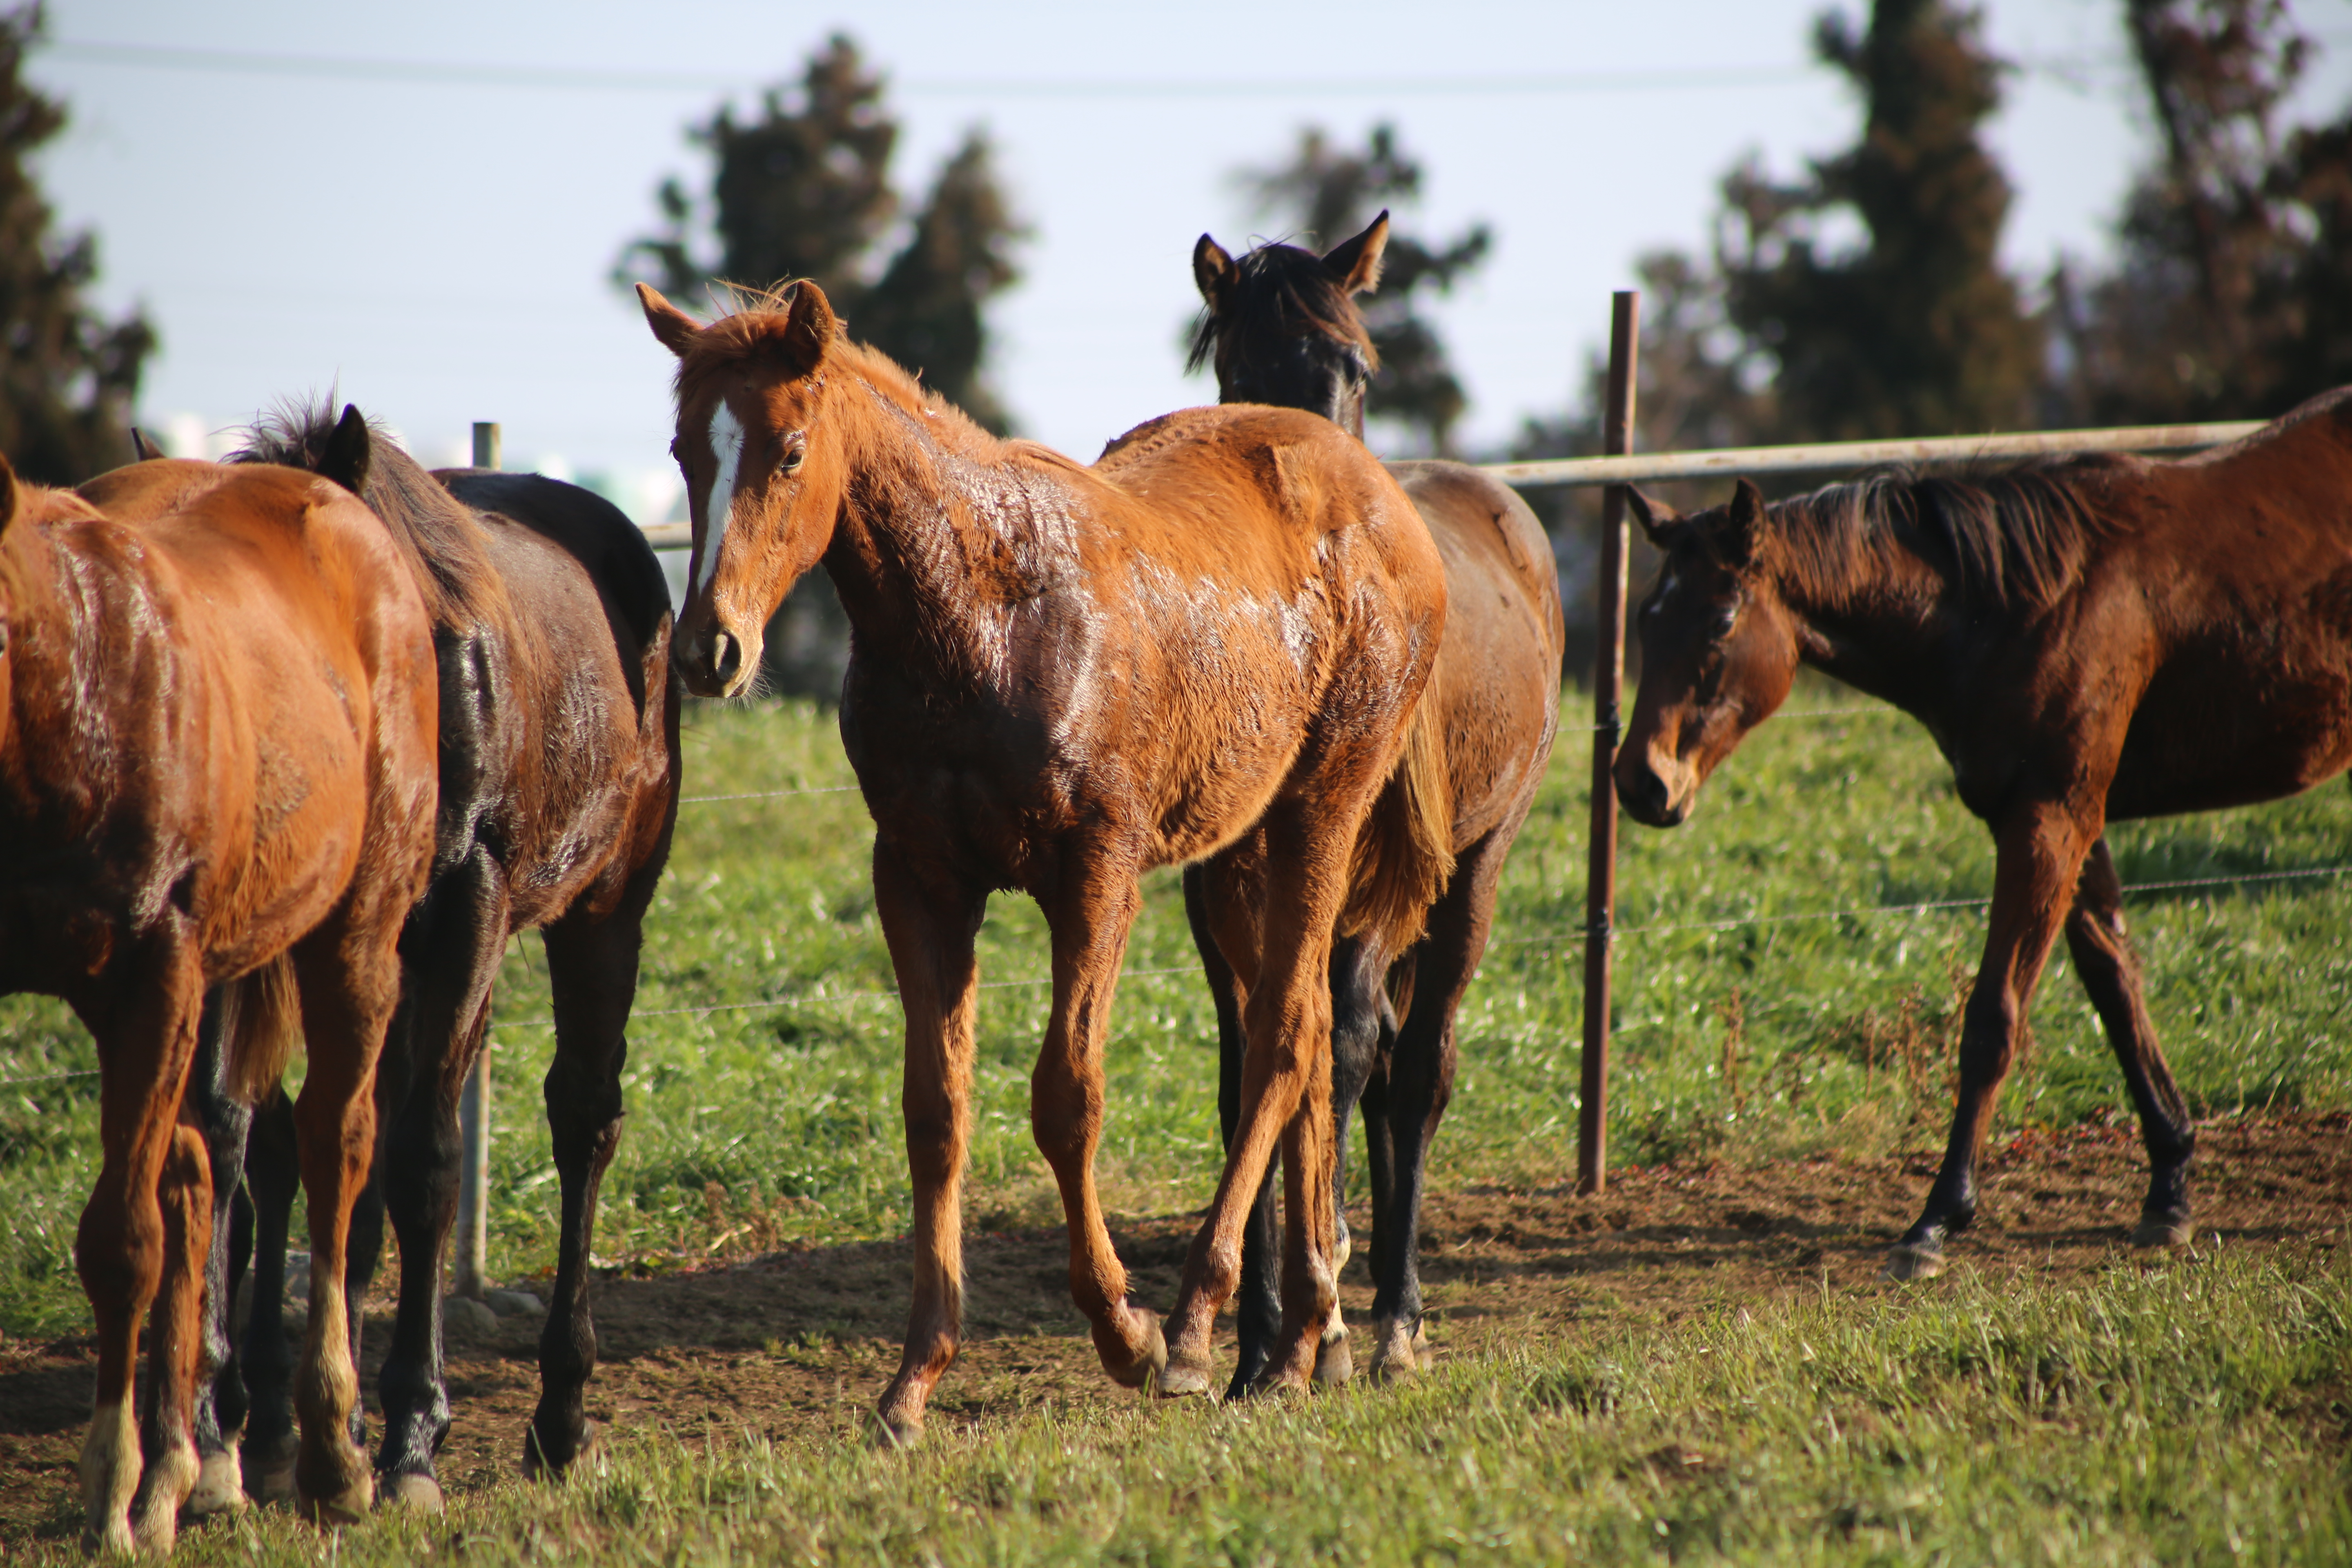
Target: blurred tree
pixel 1916 331
pixel 804 191
pixel 1325 193
pixel 68 378
pixel 2231 296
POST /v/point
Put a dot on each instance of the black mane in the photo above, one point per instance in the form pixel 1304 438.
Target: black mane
pixel 1281 291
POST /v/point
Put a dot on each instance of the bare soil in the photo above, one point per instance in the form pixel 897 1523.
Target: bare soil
pixel 798 1343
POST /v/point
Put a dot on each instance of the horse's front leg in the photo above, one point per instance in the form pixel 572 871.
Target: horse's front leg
pixel 1287 1024
pixel 931 921
pixel 2110 975
pixel 1090 914
pixel 220 1405
pixel 2040 850
pixel 127 1241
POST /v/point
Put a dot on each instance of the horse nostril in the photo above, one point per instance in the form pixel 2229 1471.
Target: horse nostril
pixel 1645 793
pixel 726 655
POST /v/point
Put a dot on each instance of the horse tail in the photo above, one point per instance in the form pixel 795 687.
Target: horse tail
pixel 261 1023
pixel 1404 853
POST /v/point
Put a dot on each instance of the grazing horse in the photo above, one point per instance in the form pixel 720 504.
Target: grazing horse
pixel 1060 678
pixel 2089 639
pixel 215 771
pixel 558 773
pixel 1282 328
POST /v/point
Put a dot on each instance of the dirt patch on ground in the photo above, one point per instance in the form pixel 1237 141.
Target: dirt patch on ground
pixel 799 1343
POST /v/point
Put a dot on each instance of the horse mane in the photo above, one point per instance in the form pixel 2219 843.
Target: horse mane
pixel 2013 537
pixel 740 330
pixel 435 534
pixel 1283 291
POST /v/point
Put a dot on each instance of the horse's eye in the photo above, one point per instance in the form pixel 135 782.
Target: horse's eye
pixel 1725 620
pixel 674 455
pixel 795 452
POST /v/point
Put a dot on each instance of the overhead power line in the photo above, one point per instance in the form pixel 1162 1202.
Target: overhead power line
pixel 460 73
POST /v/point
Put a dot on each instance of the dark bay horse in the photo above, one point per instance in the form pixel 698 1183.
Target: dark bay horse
pixel 2089 639
pixel 1062 676
pixel 215 771
pixel 559 774
pixel 1282 328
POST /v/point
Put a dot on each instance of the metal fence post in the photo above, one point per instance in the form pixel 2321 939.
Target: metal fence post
pixel 1608 683
pixel 471 1264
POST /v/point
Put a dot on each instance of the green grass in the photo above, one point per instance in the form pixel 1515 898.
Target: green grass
pixel 762 1125
pixel 2162 1414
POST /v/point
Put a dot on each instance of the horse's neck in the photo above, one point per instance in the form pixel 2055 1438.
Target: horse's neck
pixel 931 542
pixel 1871 632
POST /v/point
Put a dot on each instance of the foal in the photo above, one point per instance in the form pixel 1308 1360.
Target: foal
pixel 1061 678
pixel 2089 639
pixel 216 728
pixel 1282 328
pixel 558 768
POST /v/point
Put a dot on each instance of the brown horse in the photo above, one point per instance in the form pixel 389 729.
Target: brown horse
pixel 216 770
pixel 2089 639
pixel 1282 328
pixel 558 773
pixel 1062 676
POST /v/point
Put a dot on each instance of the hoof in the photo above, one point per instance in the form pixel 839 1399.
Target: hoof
pixel 347 1506
pixel 421 1494
pixel 220 1487
pixel 1334 1362
pixel 1181 1379
pixel 1392 1350
pixel 894 1434
pixel 1151 1366
pixel 113 1540
pixel 269 1473
pixel 1904 1261
pixel 536 1464
pixel 2163 1230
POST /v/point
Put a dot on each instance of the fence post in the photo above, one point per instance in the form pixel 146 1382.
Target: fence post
pixel 1608 682
pixel 471 1264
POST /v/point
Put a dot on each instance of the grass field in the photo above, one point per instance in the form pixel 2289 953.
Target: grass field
pixel 1767 1006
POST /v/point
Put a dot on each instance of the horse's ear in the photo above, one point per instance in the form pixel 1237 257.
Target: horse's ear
pixel 673 326
pixel 143 449
pixel 1356 263
pixel 1733 540
pixel 349 449
pixel 1656 517
pixel 1213 272
pixel 12 499
pixel 810 326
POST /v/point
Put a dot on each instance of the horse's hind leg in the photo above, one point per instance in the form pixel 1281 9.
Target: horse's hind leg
pixel 220 1402
pixel 175 1344
pixel 1258 1309
pixel 593 968
pixel 2110 975
pixel 449 957
pixel 146 1041
pixel 1419 1085
pixel 349 971
pixel 1359 971
pixel 932 924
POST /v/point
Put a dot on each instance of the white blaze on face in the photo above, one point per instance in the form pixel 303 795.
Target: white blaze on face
pixel 727 445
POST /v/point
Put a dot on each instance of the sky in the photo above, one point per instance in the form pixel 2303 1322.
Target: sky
pixel 419 207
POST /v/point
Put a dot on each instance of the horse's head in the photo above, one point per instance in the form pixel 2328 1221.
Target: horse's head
pixel 1719 651
pixel 1281 326
pixel 764 472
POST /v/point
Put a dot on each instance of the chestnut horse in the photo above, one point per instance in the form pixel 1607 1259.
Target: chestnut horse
pixel 1060 678
pixel 2089 639
pixel 216 770
pixel 558 772
pixel 1282 328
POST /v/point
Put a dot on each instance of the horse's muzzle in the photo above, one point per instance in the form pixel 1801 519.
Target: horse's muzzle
pixel 718 663
pixel 1646 796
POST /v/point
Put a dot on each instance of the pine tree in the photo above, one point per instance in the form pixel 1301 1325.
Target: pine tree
pixel 1328 194
pixel 2231 296
pixel 804 191
pixel 1919 331
pixel 68 378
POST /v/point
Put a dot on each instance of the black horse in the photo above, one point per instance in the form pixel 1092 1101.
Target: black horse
pixel 1282 328
pixel 558 775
